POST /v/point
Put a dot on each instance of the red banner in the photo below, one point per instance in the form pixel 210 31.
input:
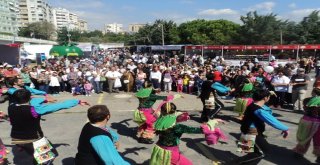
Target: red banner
pixel 258 47
pixel 309 47
pixel 194 47
pixel 16 45
pixel 212 47
pixel 284 47
pixel 234 47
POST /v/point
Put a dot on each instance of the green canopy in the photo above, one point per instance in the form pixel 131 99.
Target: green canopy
pixel 66 51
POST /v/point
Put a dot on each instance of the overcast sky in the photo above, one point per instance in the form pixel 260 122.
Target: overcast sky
pixel 100 12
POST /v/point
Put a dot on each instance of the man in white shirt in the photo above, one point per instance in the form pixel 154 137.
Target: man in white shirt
pixel 281 85
pixel 112 76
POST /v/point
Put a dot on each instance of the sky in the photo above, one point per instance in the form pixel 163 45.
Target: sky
pixel 100 12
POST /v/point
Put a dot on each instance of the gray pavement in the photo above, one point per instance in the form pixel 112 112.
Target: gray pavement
pixel 63 129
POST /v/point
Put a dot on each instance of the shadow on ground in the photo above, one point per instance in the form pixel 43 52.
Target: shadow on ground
pixel 280 155
pixel 123 129
pixel 211 153
pixel 133 150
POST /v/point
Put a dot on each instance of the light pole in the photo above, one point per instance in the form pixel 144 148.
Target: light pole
pixel 162 31
pixel 68 34
pixel 281 37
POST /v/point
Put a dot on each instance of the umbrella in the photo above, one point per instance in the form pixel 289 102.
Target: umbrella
pixel 66 51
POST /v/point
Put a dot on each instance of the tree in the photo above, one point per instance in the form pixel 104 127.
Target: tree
pixel 40 30
pixel 75 35
pixel 309 29
pixel 152 34
pixel 260 29
pixel 208 32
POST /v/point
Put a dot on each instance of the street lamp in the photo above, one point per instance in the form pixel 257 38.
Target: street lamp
pixel 162 31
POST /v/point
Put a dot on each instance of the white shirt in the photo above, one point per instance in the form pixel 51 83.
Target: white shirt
pixel 54 81
pixel 113 74
pixel 156 75
pixel 281 80
pixel 131 67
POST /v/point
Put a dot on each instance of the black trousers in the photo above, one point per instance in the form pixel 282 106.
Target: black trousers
pixel 55 89
pixel 210 113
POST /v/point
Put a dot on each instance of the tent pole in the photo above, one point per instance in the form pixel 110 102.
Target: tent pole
pixel 297 53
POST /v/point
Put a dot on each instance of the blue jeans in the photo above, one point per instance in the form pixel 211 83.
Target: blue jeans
pixel 185 88
pixel 139 84
pixel 155 83
pixel 44 87
pixel 98 86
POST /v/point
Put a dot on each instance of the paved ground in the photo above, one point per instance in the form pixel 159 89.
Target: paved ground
pixel 63 129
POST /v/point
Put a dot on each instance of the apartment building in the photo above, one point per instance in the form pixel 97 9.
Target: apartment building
pixel 134 28
pixel 31 11
pixel 82 25
pixel 8 16
pixel 113 28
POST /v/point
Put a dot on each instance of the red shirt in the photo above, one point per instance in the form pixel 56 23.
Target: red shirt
pixel 217 76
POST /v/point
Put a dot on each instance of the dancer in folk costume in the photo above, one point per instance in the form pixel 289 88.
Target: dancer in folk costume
pixel 244 99
pixel 213 134
pixel 145 116
pixel 166 151
pixel 3 149
pixel 25 115
pixel 309 128
pixel 252 140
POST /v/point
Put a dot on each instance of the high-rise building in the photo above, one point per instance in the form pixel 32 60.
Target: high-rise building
pixel 113 28
pixel 65 18
pixel 134 28
pixel 31 11
pixel 61 18
pixel 73 21
pixel 8 16
pixel 82 25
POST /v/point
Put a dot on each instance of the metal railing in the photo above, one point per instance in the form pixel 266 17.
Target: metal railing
pixel 26 40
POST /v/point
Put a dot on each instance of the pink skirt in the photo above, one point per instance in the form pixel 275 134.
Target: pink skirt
pixel 176 157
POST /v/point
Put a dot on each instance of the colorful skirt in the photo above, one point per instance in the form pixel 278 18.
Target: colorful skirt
pixel 162 155
pixel 145 118
pixel 3 152
pixel 246 143
pixel 308 129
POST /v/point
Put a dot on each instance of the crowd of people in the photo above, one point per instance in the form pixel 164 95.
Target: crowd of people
pixel 255 86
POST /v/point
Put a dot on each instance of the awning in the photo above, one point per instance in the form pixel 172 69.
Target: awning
pixel 166 47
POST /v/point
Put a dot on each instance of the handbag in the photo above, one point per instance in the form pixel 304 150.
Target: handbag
pixel 117 83
pixel 166 80
pixel 43 151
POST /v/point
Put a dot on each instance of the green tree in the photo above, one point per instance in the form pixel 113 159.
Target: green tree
pixel 41 30
pixel 260 29
pixel 309 29
pixel 75 35
pixel 152 34
pixel 208 32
